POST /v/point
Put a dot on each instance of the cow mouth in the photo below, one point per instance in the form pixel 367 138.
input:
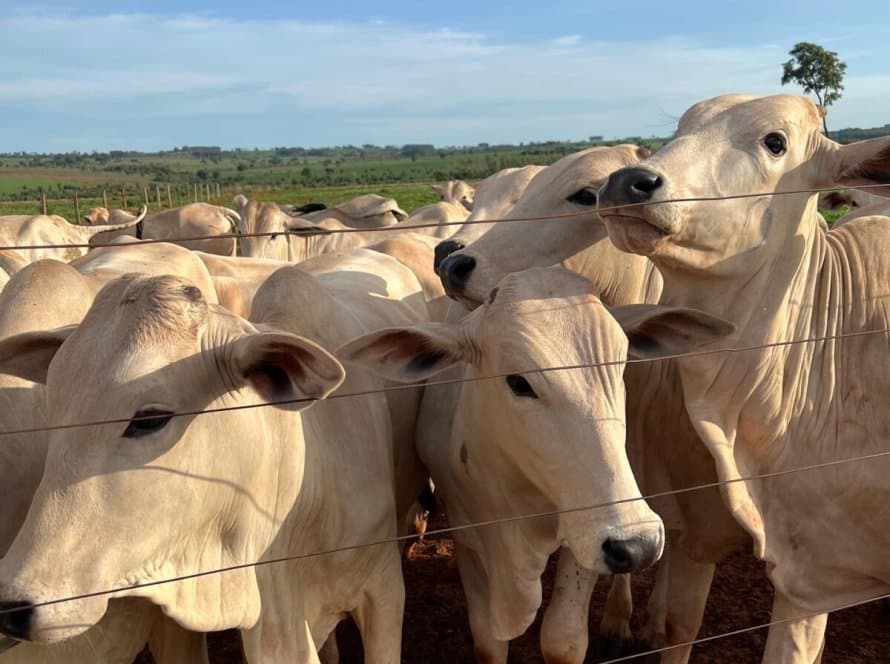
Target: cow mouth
pixel 635 233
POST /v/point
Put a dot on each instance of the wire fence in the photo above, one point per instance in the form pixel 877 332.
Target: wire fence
pixel 407 226
pixel 492 522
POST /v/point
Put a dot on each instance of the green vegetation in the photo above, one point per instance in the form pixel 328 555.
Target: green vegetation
pixel 286 175
pixel 817 71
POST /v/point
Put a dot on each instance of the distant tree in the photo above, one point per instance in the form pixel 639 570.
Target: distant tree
pixel 817 71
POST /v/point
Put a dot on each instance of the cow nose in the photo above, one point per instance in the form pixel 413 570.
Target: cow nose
pixel 633 184
pixel 15 619
pixel 443 250
pixel 454 272
pixel 630 555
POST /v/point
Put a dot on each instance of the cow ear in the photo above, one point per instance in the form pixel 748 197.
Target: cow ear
pixel 28 355
pixel 655 331
pixel 862 163
pixel 240 201
pixel 407 354
pixel 284 367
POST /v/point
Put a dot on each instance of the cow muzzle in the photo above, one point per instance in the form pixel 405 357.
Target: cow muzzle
pixel 631 555
pixel 15 619
pixel 454 272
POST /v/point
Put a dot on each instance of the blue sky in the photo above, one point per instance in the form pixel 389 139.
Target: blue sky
pixel 116 75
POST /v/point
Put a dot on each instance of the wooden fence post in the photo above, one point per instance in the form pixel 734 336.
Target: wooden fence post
pixel 105 199
pixel 43 200
pixel 124 197
pixel 169 197
pixel 158 194
pixel 196 192
pixel 217 191
pixel 77 207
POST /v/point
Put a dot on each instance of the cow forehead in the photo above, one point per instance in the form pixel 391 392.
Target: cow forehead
pixel 549 312
pixel 577 170
pixel 745 113
pixel 134 314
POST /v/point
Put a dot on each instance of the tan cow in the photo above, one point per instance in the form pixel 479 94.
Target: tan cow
pixel 765 264
pixel 11 262
pixel 192 220
pixel 663 446
pixel 530 442
pixel 65 241
pixel 437 219
pixel 362 212
pixel 45 295
pixel 458 192
pixel 163 347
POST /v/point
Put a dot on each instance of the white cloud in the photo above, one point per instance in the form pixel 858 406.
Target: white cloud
pixel 194 78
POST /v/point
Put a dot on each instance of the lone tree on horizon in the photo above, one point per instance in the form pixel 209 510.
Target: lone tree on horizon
pixel 817 71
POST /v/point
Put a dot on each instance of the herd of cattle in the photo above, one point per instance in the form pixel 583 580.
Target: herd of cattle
pixel 561 363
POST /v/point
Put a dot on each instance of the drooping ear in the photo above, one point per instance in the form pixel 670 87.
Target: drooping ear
pixel 407 354
pixel 657 331
pixel 28 355
pixel 240 201
pixel 281 366
pixel 862 163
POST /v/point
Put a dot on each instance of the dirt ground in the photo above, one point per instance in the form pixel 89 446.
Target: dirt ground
pixel 437 631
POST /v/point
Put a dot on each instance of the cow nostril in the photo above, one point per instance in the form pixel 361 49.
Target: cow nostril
pixel 623 556
pixel 454 272
pixel 648 184
pixel 15 619
pixel 443 250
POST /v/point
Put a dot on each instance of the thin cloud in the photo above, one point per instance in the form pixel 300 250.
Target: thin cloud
pixel 161 80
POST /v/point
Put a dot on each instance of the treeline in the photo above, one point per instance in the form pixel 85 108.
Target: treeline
pixel 290 167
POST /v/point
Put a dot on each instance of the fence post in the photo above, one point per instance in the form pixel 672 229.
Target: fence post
pixel 43 200
pixel 124 197
pixel 158 194
pixel 105 199
pixel 169 197
pixel 196 192
pixel 77 207
pixel 217 191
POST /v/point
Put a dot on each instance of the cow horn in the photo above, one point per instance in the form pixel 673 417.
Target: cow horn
pixel 89 232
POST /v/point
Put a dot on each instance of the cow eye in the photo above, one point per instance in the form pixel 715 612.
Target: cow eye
pixel 273 237
pixel 520 386
pixel 775 143
pixel 147 421
pixel 586 197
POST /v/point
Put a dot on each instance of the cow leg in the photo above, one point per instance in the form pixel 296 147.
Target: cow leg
pixel 489 650
pixel 654 633
pixel 689 583
pixel 615 634
pixel 564 630
pixel 282 635
pixel 797 640
pixel 379 615
pixel 171 644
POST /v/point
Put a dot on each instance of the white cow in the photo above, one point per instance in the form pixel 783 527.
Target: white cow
pixel 528 443
pixel 43 295
pixel 192 220
pixel 457 191
pixel 162 348
pixel 25 231
pixel 765 264
pixel 663 446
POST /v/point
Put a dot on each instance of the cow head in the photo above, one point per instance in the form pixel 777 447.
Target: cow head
pixel 568 187
pixel 155 494
pixel 561 431
pixel 734 146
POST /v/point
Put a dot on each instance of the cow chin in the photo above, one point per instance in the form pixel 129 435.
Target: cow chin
pixel 59 622
pixel 634 235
